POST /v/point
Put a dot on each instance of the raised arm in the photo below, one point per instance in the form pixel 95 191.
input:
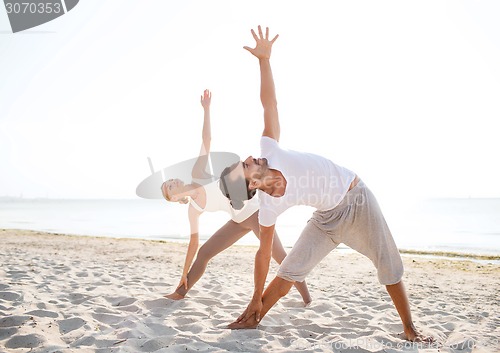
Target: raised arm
pixel 200 168
pixel 262 51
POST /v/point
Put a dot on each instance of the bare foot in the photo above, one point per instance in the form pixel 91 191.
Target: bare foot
pixel 411 334
pixel 174 296
pixel 304 292
pixel 249 324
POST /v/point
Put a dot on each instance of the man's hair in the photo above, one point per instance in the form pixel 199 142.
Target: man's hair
pixel 236 190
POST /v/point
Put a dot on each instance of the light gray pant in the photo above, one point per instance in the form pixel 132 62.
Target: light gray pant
pixel 358 223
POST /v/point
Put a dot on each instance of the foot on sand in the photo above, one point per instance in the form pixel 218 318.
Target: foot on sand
pixel 174 296
pixel 411 334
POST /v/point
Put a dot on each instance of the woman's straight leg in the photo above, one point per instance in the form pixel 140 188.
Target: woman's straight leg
pixel 226 236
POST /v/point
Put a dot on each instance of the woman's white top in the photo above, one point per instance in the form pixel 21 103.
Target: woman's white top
pixel 216 201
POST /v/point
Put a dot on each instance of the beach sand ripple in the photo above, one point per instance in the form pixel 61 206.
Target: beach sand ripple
pixel 84 294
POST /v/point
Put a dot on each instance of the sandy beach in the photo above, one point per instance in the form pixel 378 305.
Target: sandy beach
pixel 62 293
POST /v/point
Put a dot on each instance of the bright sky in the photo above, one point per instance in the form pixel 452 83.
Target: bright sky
pixel 406 94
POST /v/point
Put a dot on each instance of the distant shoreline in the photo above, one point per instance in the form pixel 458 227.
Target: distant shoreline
pixel 453 229
pixel 430 253
pixel 450 254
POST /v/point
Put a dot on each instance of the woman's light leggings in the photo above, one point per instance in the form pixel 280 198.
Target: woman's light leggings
pixel 224 238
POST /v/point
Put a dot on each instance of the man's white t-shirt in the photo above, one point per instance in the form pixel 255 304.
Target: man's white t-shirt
pixel 312 180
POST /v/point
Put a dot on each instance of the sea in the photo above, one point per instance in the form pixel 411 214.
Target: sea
pixel 463 226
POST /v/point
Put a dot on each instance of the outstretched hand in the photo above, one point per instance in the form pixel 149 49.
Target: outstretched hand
pixel 250 318
pixel 263 45
pixel 253 310
pixel 205 99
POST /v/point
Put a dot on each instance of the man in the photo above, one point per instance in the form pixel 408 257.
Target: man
pixel 347 212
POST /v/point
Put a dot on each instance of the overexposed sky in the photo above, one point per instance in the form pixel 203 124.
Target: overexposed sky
pixel 406 94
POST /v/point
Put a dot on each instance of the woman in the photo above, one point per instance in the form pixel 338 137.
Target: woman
pixel 209 198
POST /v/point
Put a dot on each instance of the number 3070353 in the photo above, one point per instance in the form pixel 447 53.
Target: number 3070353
pixel 32 7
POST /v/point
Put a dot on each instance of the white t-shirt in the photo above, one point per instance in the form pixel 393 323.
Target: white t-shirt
pixel 216 201
pixel 312 180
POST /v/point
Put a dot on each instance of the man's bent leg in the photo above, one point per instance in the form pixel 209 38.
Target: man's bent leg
pixel 279 255
pixel 311 247
pixel 369 234
pixel 277 289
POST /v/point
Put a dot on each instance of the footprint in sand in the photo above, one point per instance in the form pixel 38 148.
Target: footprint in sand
pixel 62 269
pixel 181 321
pixel 298 304
pixel 156 344
pixel 130 308
pixel 234 307
pixel 69 325
pixel 41 306
pixel 16 320
pixel 384 307
pixel 154 284
pixel 85 341
pixel 120 301
pixel 78 298
pixel 43 313
pixel 15 273
pixel 7 332
pixel 9 296
pixel 162 330
pixel 27 341
pixel 300 322
pixel 108 319
pixel 209 302
pixel 158 303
